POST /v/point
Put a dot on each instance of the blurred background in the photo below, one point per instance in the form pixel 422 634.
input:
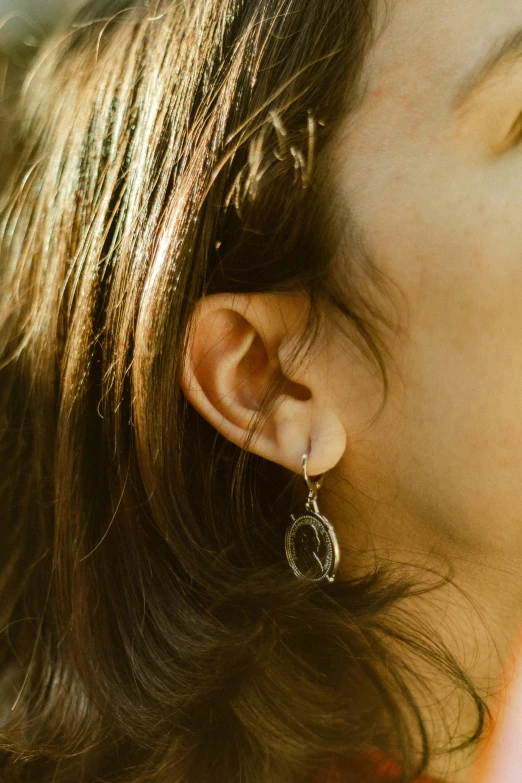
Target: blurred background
pixel 24 24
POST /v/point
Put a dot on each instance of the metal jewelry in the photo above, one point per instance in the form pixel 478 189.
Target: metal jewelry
pixel 311 545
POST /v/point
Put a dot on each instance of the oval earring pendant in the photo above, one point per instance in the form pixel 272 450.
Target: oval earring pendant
pixel 312 549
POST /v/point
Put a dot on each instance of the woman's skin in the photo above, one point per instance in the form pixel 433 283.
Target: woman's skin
pixel 435 188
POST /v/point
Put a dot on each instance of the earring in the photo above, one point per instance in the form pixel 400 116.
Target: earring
pixel 311 545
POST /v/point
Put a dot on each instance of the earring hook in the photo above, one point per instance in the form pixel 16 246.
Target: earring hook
pixel 313 486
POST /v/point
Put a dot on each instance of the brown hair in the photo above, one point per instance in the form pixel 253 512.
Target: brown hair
pixel 152 630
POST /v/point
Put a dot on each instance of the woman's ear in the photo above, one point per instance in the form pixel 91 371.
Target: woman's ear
pixel 238 347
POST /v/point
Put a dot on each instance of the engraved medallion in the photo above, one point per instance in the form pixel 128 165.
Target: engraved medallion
pixel 311 547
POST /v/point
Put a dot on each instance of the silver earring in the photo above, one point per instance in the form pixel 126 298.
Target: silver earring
pixel 311 545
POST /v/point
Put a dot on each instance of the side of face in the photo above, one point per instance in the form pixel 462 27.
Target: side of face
pixel 437 194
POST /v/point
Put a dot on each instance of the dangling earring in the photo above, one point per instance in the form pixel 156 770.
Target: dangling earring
pixel 311 545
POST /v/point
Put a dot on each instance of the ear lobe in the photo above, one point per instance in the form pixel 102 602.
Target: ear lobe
pixel 233 361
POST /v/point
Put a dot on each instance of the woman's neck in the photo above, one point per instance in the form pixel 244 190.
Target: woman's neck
pixel 477 614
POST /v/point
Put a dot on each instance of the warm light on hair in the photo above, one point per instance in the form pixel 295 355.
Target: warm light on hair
pixel 151 627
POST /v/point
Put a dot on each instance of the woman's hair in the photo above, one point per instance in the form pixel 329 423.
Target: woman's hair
pixel 151 629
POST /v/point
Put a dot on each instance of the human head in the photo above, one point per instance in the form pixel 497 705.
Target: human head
pixel 186 178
